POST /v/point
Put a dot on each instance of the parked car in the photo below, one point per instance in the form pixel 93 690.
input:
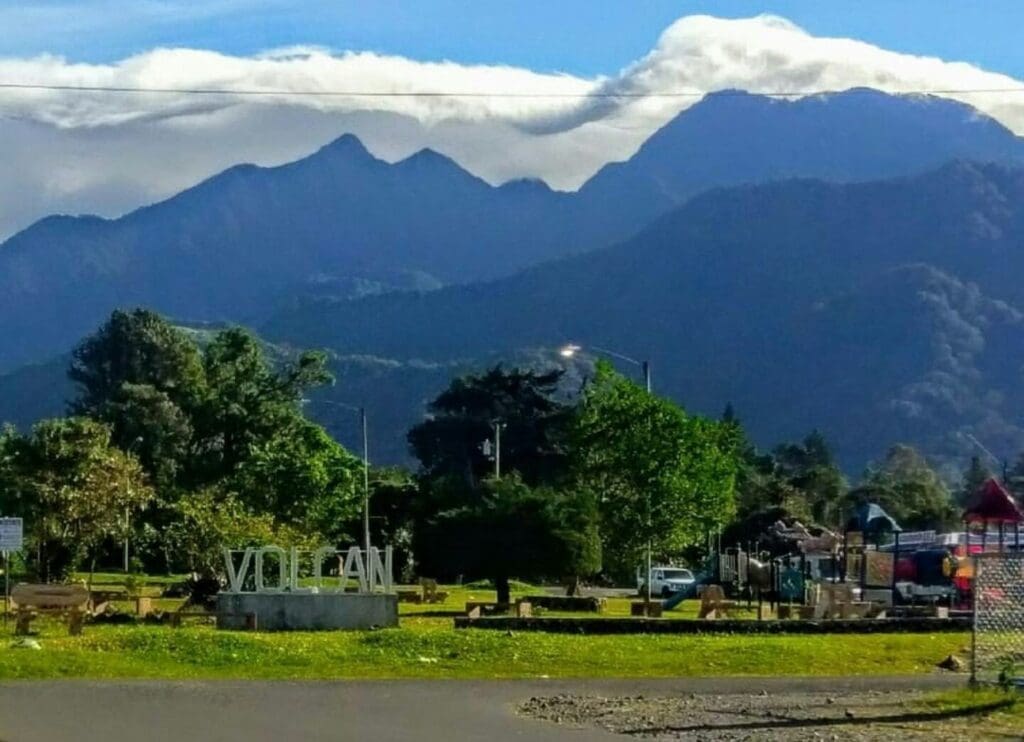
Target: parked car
pixel 666 581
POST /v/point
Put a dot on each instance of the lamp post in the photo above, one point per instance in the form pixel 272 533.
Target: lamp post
pixel 366 465
pixel 570 350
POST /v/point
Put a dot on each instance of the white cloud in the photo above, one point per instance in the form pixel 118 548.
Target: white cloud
pixel 106 153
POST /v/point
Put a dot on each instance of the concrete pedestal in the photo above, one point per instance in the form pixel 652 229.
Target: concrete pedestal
pixel 306 611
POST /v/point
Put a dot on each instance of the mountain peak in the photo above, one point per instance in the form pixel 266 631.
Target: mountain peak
pixel 347 144
pixel 427 157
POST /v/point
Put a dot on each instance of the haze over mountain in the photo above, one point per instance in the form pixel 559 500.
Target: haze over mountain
pixel 877 311
pixel 341 222
pixel 90 151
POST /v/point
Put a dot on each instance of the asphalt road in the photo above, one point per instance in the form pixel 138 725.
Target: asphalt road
pixel 374 711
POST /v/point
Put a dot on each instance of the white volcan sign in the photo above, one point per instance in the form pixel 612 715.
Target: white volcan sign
pixel 369 573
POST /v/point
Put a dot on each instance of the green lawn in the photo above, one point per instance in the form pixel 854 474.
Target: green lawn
pixel 430 647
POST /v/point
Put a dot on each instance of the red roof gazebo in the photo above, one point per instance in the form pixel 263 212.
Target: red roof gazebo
pixel 993 503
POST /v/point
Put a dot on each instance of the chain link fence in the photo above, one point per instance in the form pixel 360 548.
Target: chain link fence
pixel 998 635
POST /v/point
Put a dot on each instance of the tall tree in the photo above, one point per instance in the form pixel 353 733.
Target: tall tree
pixel 145 378
pixel 660 476
pixel 525 403
pixel 460 505
pixel 512 530
pixel 248 402
pixel 138 347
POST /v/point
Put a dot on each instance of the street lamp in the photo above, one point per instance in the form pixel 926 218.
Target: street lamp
pixel 366 465
pixel 569 351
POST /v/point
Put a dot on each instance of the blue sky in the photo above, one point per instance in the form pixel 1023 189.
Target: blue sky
pixel 585 37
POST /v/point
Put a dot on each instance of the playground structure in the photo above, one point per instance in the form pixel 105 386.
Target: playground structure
pixel 873 568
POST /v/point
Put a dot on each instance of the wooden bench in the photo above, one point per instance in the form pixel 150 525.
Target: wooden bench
pixel 71 602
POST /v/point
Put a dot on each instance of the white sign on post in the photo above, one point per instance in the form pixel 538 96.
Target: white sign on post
pixel 11 531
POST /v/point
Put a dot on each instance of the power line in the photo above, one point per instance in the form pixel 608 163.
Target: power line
pixel 256 92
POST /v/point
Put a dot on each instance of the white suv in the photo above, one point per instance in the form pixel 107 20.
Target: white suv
pixel 666 581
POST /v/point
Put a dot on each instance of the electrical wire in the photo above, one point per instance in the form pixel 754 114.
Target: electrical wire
pixel 254 92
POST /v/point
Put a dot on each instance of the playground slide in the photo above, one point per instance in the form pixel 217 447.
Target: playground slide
pixel 674 600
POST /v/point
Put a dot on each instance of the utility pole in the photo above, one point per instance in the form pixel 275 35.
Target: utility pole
pixel 366 464
pixel 366 482
pixel 497 425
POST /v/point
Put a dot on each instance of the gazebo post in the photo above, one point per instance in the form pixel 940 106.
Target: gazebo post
pixel 895 561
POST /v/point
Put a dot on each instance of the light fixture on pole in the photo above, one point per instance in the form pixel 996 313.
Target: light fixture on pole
pixel 569 350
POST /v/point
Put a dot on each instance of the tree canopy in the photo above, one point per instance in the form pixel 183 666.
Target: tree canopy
pixel 659 476
pixel 72 487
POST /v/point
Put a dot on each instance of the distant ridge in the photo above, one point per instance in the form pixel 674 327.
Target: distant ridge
pixel 878 312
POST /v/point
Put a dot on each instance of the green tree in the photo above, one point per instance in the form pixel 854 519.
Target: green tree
pixel 394 494
pixel 305 478
pixel 248 402
pixel 511 531
pixel 145 378
pixel 449 443
pixel 659 475
pixel 459 506
pixel 809 468
pixel 138 347
pixel 154 428
pixel 908 489
pixel 72 487
pixel 210 520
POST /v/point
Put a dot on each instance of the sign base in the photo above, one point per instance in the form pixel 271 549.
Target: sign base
pixel 288 611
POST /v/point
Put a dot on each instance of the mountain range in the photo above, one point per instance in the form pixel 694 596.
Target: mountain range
pixel 848 262
pixel 877 311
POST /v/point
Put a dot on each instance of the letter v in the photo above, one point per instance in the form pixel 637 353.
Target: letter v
pixel 237 579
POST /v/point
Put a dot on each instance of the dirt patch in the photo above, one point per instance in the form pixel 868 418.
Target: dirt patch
pixel 776 716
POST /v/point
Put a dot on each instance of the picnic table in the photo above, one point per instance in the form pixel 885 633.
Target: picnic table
pixel 70 602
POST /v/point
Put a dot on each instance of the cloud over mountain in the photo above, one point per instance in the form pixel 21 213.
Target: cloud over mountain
pixel 108 152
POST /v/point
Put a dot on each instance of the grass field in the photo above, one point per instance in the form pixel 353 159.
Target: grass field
pixel 427 646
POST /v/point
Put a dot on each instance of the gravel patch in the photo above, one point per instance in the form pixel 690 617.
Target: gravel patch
pixel 775 716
